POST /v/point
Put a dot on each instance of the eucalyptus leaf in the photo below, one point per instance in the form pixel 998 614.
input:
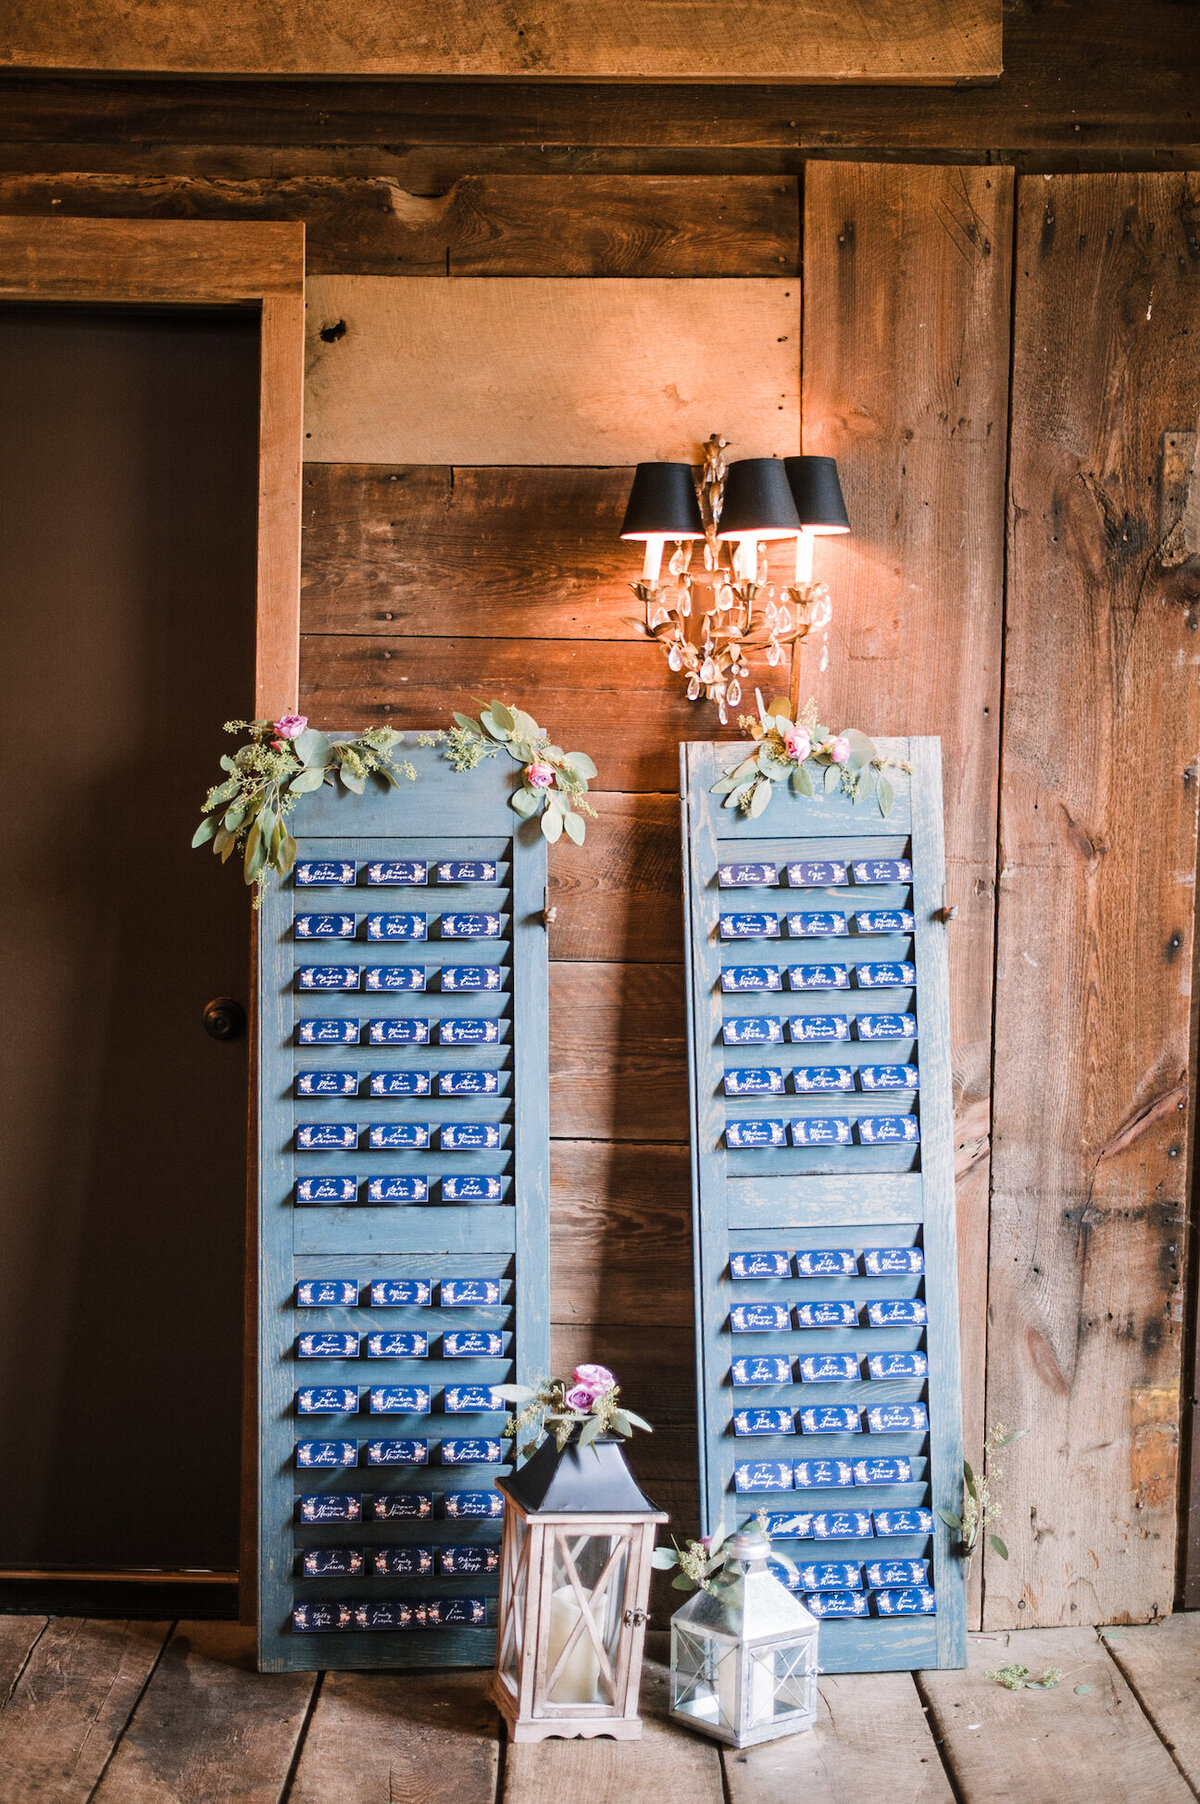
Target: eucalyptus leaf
pixel 312 747
pixel 621 1422
pixel 468 724
pixel 205 830
pixel 580 763
pixel 233 817
pixel 951 1520
pixel 307 780
pixel 514 1393
pixel 972 1481
pixel 552 825
pixel 733 799
pixel 501 718
pixel 998 1546
pixel 351 780
pixel 1008 1439
pixel 833 777
pixel 781 708
pixel 638 1421
pixel 576 827
pixel 759 798
pixel 590 1431
pixel 681 1583
pixel 526 802
pixel 225 793
pixel 253 842
pixel 885 795
pixel 524 726
pixel 663 1559
pixel 862 749
pixel 287 854
pixel 802 783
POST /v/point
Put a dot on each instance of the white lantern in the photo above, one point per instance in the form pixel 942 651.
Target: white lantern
pixel 574 1583
pixel 744 1652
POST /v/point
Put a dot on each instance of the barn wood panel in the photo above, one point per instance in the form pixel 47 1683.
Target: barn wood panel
pixel 1097 895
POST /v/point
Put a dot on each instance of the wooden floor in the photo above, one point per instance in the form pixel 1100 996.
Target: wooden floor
pixel 151 1713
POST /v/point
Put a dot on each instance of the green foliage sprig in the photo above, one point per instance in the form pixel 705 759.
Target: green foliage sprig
pixel 554 782
pixel 284 760
pixel 806 754
pixel 1020 1678
pixel 701 1562
pixel 981 1506
pixel 587 1400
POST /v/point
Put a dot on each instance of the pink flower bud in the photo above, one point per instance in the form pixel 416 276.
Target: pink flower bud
pixel 839 749
pixel 579 1397
pixel 539 774
pixel 797 743
pixel 290 726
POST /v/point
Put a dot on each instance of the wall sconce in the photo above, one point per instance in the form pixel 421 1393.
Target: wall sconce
pixel 741 508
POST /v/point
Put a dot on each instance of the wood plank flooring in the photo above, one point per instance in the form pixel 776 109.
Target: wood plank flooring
pixel 159 1713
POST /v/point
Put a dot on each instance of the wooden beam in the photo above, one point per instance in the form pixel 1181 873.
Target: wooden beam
pixel 618 701
pixel 495 225
pixel 906 347
pixel 209 1725
pixel 909 41
pixel 1098 839
pixel 1083 1741
pixel 618 1059
pixel 372 1736
pixel 71 1705
pixel 619 1242
pixel 188 261
pixel 498 371
pixel 871 1741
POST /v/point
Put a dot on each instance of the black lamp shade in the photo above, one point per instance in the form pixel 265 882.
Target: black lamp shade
pixel 758 501
pixel 817 493
pixel 663 504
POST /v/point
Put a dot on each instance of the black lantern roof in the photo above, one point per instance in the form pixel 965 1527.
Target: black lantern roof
pixel 590 1481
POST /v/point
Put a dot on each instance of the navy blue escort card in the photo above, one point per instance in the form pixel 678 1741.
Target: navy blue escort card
pixel 899 1311
pixel 763 1421
pixel 884 1366
pixel 788 1525
pixel 398 1030
pixel 742 1136
pixel 324 927
pixel 388 1136
pixel 818 977
pixel 829 1368
pixel 326 1293
pixel 883 1262
pixel 333 1562
pixel 395 977
pixel 830 1575
pixel 327 1083
pixel 834 1313
pixel 888 1077
pixel 898 1418
pixel 329 977
pixel 471 1400
pixel 468 1136
pixel 471 927
pixel 469 1293
pixel 474 1032
pixel 327 1400
pixel 826 1262
pixel 469 1083
pixel 752 876
pixel 837 1603
pixel 330 1187
pixel 398 871
pixel 401 1562
pixel 467 1562
pixel 399 1188
pixel 821 1130
pixel 816 926
pixel 888 1130
pixel 890 1471
pixel 326 1136
pixel 330 1506
pixel 473 1451
pixel 401 1452
pixel 754 1080
pixel 841 1525
pixel 760 1265
pixel 472 1343
pixel 397 927
pixel 467 870
pixel 823 1474
pixel 323 1031
pixel 474 1506
pixel 812 1079
pixel 897 975
pixel 401 1293
pixel 402 1506
pixel 328 1344
pixel 326 1455
pixel 327 873
pixel 736 978
pixel 749 927
pixel 401 1343
pixel 884 1573
pixel 830 1418
pixel 472 977
pixel 882 870
pixel 752 1030
pixel 884 920
pixel 401 1083
pixel 817 873
pixel 770 1369
pixel 886 1027
pixel 915 1601
pixel 763 1475
pixel 760 1318
pixel 400 1400
pixel 903 1522
pixel 473 1188
pixel 806 1028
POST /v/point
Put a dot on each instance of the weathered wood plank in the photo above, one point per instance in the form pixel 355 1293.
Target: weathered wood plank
pixel 71 1705
pixel 209 1726
pixel 919 257
pixel 669 1764
pixel 914 41
pixel 618 1057
pixel 622 899
pixel 1097 898
pixel 620 1241
pixel 871 1741
pixel 18 1634
pixel 1077 78
pixel 495 225
pixel 190 261
pixel 472 370
pixel 615 699
pixel 1161 1663
pixel 378 1739
pixel 400 549
pixel 1084 1742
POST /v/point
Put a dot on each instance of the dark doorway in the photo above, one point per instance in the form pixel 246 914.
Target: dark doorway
pixel 128 479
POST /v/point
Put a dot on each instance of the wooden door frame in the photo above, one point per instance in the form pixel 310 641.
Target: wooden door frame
pixel 202 263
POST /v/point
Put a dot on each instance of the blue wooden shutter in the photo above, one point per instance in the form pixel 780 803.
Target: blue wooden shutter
pixel 394 1287
pixel 823 1198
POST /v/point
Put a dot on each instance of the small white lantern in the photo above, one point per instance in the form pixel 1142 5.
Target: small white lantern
pixel 744 1652
pixel 574 1583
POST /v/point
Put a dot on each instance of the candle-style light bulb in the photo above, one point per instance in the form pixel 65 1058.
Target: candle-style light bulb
pixel 804 558
pixel 652 561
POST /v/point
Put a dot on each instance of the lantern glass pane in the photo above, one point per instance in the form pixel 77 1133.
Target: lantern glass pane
pixel 794 1672
pixel 704 1675
pixel 588 1588
pixel 513 1589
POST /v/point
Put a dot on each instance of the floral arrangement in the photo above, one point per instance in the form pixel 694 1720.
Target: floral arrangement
pixel 285 759
pixel 553 782
pixel 587 1400
pixel 804 753
pixel 699 1562
pixel 980 1506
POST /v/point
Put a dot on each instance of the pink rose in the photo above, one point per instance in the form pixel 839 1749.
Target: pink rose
pixel 579 1397
pixel 539 774
pixel 597 1380
pixel 290 726
pixel 797 743
pixel 839 749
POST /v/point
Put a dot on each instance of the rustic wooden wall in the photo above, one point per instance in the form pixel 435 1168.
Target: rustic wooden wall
pixel 1056 664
